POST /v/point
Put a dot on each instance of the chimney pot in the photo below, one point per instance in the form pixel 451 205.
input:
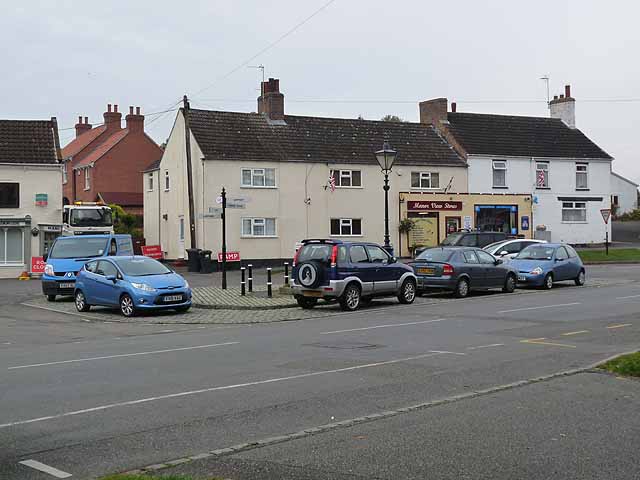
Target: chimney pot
pixel 108 107
pixel 555 97
pixel 80 119
pixel 86 120
pixel 454 107
pixel 115 108
pixel 567 91
pixel 130 110
pixel 561 96
pixel 137 110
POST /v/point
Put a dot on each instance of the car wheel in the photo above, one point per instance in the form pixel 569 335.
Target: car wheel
pixel 509 284
pixel 51 298
pixel 183 309
pixel 548 282
pixel 81 302
pixel 307 303
pixel 580 279
pixel 462 288
pixel 127 306
pixel 407 292
pixel 350 299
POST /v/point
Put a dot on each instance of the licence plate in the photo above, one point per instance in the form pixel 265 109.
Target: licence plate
pixel 67 285
pixel 312 293
pixel 172 298
pixel 426 270
pixel 522 278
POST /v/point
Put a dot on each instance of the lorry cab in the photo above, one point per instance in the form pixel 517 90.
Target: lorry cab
pixel 68 254
pixel 87 218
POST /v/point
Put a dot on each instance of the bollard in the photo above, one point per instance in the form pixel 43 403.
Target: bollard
pixel 286 273
pixel 269 292
pixel 242 292
pixel 250 278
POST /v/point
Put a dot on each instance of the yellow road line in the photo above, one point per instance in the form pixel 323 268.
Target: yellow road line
pixel 575 333
pixel 620 325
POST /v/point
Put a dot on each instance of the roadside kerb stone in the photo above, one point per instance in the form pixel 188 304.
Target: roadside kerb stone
pixel 231 299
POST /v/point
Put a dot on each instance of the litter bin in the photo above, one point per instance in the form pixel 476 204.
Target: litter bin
pixel 193 259
pixel 206 264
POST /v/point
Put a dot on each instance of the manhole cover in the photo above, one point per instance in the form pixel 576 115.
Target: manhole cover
pixel 345 345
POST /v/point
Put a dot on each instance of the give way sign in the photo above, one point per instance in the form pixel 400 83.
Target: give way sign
pixel 606 213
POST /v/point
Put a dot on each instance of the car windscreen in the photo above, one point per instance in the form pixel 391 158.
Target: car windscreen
pixel 140 267
pixel 78 247
pixel 438 255
pixel 452 239
pixel 536 252
pixel 495 245
pixel 320 252
pixel 91 217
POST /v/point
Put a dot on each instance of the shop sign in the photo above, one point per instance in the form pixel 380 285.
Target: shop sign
pixel 37 265
pixel 524 222
pixel 51 228
pixel 231 256
pixel 466 224
pixel 152 251
pixel 422 205
pixel 42 199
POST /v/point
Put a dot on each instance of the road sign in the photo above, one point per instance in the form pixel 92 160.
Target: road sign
pixel 231 256
pixel 37 265
pixel 524 224
pixel 152 251
pixel 232 204
pixel 606 213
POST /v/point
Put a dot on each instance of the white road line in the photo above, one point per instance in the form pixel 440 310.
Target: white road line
pixel 628 296
pixel 538 308
pixel 45 468
pixel 64 313
pixel 486 346
pixel 123 355
pixel 382 326
pixel 212 389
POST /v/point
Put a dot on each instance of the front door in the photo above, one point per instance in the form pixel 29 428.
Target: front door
pixel 181 237
pixel 562 268
pixel 452 224
pixel 494 275
pixel 474 269
pixel 107 289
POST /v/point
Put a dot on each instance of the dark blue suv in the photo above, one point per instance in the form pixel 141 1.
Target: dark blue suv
pixel 351 272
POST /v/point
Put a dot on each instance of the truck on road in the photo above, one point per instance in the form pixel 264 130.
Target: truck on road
pixel 87 218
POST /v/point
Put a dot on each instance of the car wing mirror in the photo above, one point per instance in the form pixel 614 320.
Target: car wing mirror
pixel 112 278
pixel 45 255
pixel 393 260
pixel 498 261
pixel 503 253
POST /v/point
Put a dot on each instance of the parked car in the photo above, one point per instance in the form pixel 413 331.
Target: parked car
pixel 508 249
pixel 468 239
pixel 67 255
pixel 462 269
pixel 350 272
pixel 131 283
pixel 543 264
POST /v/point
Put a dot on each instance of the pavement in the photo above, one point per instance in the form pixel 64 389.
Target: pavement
pixel 493 386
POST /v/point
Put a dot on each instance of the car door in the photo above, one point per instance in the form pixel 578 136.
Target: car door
pixel 362 267
pixel 574 261
pixel 89 280
pixel 386 274
pixel 474 269
pixel 494 274
pixel 562 266
pixel 109 290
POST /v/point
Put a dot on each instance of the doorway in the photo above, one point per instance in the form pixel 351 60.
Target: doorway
pixel 452 224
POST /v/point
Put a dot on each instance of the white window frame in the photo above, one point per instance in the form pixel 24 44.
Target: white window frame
pixel 345 222
pixel 150 182
pixel 338 175
pixel 3 239
pixel 425 176
pixel 256 173
pixel 258 221
pixel 65 173
pixel 87 179
pixel 545 168
pixel 497 165
pixel 167 181
pixel 584 172
pixel 572 206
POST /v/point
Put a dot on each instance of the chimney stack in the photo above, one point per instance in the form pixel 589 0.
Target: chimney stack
pixel 564 107
pixel 82 127
pixel 434 112
pixel 112 119
pixel 135 122
pixel 454 107
pixel 271 101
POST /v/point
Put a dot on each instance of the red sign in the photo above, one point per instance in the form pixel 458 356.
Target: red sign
pixel 37 265
pixel 152 251
pixel 606 213
pixel 231 256
pixel 433 205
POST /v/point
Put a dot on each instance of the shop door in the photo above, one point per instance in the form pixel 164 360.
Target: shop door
pixel 452 224
pixel 46 240
pixel 425 232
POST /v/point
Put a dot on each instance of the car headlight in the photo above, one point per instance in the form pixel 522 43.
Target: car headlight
pixel 536 271
pixel 48 270
pixel 186 284
pixel 143 286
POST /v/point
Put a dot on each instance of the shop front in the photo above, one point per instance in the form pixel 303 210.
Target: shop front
pixel 436 215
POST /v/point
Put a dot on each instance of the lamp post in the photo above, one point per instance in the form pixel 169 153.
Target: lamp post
pixel 385 158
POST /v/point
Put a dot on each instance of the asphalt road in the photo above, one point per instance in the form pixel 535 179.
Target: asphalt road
pixel 90 398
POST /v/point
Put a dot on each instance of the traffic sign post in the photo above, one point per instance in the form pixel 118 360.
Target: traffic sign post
pixel 224 238
pixel 606 214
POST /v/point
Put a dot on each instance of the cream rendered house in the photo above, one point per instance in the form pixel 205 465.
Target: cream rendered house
pixel 276 170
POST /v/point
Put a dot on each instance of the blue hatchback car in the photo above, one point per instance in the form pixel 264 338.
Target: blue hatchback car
pixel 543 264
pixel 132 283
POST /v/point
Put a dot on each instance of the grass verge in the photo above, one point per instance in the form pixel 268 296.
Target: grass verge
pixel 628 365
pixel 615 255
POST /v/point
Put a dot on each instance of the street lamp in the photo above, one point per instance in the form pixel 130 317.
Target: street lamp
pixel 386 157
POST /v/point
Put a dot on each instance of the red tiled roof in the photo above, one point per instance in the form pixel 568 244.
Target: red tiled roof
pixel 104 147
pixel 78 144
pixel 124 199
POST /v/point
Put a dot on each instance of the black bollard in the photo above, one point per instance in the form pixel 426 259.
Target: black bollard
pixel 250 277
pixel 242 292
pixel 269 292
pixel 286 273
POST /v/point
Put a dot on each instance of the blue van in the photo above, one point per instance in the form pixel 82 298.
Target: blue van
pixel 68 255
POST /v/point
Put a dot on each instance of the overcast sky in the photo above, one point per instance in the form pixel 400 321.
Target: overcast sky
pixel 356 57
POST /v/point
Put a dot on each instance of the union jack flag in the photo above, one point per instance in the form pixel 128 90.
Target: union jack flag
pixel 332 181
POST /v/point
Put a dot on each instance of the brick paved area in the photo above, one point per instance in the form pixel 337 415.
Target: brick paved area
pixel 230 299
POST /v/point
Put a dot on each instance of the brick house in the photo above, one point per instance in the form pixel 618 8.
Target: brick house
pixel 106 161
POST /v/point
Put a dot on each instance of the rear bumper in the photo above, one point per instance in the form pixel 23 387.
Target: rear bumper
pixel 52 287
pixel 333 290
pixel 442 283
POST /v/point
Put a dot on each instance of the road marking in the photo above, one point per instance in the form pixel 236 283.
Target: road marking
pixel 383 326
pixel 486 346
pixel 611 327
pixel 628 296
pixel 538 308
pixel 45 468
pixel 575 333
pixel 539 341
pixel 122 355
pixel 213 389
pixel 64 312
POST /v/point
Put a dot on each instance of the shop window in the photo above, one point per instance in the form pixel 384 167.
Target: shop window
pixel 9 195
pixel 582 173
pixel 425 180
pixel 347 178
pixel 258 178
pixel 11 246
pixel 574 212
pixel 499 174
pixel 348 227
pixel 497 218
pixel 542 174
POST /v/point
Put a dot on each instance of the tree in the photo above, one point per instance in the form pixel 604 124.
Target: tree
pixel 127 223
pixel 392 118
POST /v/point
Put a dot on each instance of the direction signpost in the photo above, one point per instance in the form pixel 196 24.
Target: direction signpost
pixel 606 214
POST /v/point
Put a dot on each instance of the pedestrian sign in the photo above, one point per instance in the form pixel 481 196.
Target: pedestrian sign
pixel 606 213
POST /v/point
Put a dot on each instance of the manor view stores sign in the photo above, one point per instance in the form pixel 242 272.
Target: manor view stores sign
pixel 430 205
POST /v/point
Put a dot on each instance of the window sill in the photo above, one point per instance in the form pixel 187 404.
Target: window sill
pixel 349 188
pixel 583 189
pixel 347 236
pixel 574 223
pixel 167 190
pixel 12 265
pixel 87 189
pixel 500 188
pixel 543 188
pixel 253 237
pixel 259 187
pixel 432 189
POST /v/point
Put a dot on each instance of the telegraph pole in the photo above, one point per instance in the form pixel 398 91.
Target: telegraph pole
pixel 187 142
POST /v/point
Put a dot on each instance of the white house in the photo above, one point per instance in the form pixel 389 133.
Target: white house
pixel 624 194
pixel 567 175
pixel 30 192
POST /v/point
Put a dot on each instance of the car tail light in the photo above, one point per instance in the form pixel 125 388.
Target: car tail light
pixel 334 255
pixel 447 269
pixel 295 257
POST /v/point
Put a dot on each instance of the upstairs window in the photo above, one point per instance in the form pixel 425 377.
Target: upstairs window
pixel 167 182
pixel 425 180
pixel 499 174
pixel 582 180
pixel 64 172
pixel 346 227
pixel 9 195
pixel 347 178
pixel 574 212
pixel 150 182
pixel 87 178
pixel 259 177
pixel 542 174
